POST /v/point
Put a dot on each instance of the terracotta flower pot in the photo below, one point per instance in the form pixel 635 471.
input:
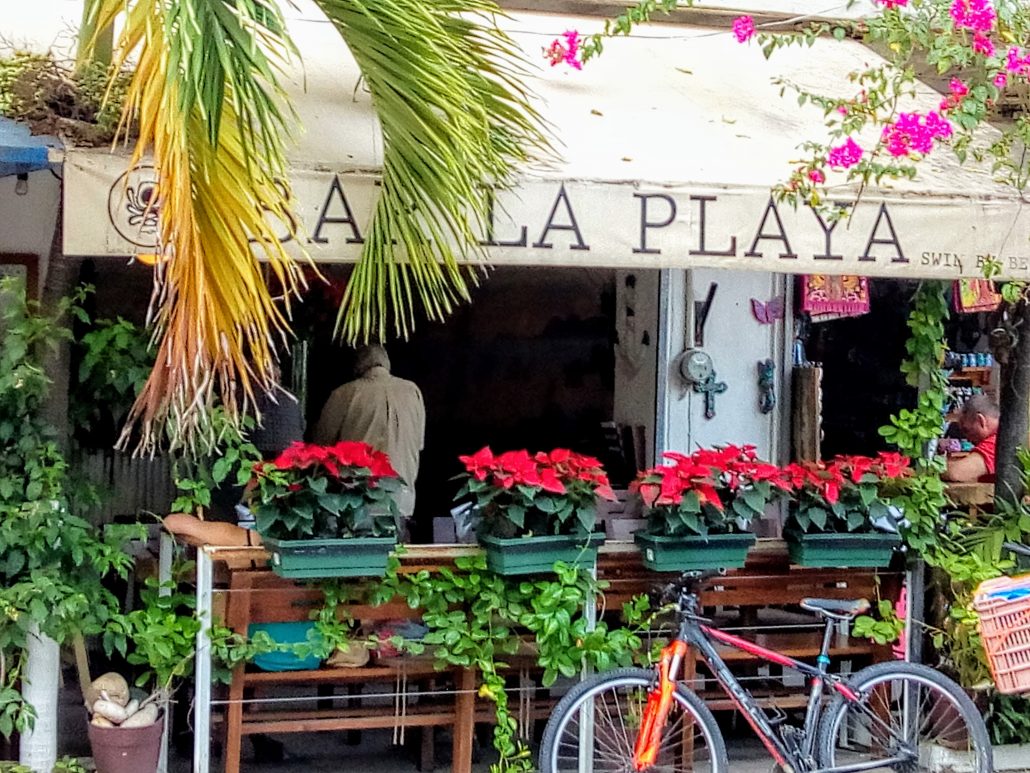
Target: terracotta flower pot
pixel 127 750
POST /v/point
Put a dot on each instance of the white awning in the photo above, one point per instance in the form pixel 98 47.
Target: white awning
pixel 669 143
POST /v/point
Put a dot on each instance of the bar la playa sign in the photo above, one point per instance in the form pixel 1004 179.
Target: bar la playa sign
pixel 114 211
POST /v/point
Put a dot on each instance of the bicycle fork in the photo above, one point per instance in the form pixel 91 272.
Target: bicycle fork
pixel 659 703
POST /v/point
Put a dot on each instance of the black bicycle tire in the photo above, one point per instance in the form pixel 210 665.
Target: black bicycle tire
pixel 826 736
pixel 701 713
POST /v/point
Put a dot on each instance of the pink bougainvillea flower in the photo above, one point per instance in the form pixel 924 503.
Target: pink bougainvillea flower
pixel 983 44
pixel 892 3
pixel 974 15
pixel 954 99
pixel 744 28
pixel 913 132
pixel 555 53
pixel 842 109
pixel 1017 62
pixel 567 52
pixel 845 156
pixel 816 176
pixel 1001 80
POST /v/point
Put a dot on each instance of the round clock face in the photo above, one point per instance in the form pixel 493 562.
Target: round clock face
pixel 695 366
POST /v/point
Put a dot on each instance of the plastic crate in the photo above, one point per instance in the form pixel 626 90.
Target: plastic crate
pixel 1003 605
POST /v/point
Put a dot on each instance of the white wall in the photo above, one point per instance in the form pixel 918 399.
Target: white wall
pixel 27 222
pixel 636 353
pixel 736 341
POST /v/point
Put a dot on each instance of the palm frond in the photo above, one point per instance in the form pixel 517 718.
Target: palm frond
pixel 211 113
pixel 448 88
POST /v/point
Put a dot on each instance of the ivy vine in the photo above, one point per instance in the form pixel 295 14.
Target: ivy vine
pixel 52 563
pixel 922 497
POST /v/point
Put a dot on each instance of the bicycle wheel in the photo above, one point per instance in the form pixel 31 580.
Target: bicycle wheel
pixel 910 717
pixel 594 727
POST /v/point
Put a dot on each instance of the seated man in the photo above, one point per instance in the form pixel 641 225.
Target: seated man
pixel 978 423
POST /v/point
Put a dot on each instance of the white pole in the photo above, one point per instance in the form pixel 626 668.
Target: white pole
pixel 38 749
pixel 202 671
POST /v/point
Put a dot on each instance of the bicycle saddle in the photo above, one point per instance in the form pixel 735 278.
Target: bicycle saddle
pixel 838 609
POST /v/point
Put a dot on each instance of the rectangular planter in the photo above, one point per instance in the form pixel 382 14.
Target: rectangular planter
pixel 842 550
pixel 683 554
pixel 533 555
pixel 314 558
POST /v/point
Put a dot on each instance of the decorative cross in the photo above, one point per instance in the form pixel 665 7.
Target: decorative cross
pixel 710 388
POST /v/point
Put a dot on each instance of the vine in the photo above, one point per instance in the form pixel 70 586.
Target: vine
pixel 922 497
pixel 52 563
pixel 474 618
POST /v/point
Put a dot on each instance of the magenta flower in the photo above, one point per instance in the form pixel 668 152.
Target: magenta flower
pixel 892 3
pixel 954 99
pixel 983 44
pixel 974 15
pixel 1018 63
pixel 567 52
pixel 1001 80
pixel 845 156
pixel 744 28
pixel 913 132
pixel 816 176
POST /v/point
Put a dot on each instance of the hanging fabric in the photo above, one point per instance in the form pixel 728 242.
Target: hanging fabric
pixel 846 296
pixel 973 295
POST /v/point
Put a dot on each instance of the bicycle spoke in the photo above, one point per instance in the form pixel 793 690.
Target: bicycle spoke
pixel 600 734
pixel 905 716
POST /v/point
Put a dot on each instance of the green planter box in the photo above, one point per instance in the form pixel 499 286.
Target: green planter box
pixel 313 558
pixel 534 555
pixel 842 550
pixel 683 554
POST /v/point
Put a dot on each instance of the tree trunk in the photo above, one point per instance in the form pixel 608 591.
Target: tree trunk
pixel 1014 400
pixel 38 748
pixel 62 276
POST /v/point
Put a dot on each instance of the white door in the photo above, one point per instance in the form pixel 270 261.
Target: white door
pixel 736 340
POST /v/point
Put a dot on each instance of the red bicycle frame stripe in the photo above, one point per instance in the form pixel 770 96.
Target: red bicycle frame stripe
pixel 749 646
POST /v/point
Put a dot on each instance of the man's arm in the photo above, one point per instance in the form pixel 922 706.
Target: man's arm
pixel 967 469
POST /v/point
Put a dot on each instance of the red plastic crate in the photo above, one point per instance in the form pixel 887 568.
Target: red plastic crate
pixel 1005 631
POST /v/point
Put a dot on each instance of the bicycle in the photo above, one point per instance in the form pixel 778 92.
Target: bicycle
pixel 893 716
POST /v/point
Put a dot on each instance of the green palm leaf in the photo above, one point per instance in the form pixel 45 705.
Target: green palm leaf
pixel 212 115
pixel 447 86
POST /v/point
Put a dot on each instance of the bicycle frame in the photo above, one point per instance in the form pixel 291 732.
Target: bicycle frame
pixel 699 636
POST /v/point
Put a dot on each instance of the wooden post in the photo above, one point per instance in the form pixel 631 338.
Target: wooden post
pixel 464 720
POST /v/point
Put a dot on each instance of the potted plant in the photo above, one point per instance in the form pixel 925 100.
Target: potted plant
pixel 159 639
pixel 699 508
pixel 327 511
pixel 836 507
pixel 535 509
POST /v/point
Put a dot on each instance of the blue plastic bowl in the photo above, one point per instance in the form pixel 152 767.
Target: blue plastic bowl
pixel 284 633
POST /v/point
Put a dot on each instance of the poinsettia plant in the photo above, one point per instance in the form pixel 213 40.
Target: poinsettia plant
pixel 843 494
pixel 711 491
pixel 311 491
pixel 522 494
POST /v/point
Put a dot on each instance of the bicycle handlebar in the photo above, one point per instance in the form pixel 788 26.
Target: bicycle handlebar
pixel 687 583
